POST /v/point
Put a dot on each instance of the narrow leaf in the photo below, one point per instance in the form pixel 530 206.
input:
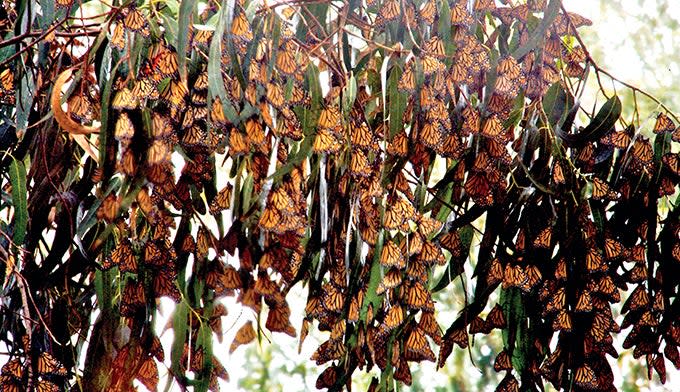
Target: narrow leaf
pixel 17 176
pixel 186 10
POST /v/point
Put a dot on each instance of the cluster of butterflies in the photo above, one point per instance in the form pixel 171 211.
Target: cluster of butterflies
pixel 50 374
pixel 336 196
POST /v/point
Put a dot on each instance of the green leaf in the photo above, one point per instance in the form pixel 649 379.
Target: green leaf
pixel 186 9
pixel 556 104
pixel 180 330
pixel 17 176
pixel 397 101
pixel 215 81
pixel 372 298
pixel 350 94
pixel 604 120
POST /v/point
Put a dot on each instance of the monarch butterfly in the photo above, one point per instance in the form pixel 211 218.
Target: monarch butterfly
pixel 332 298
pixel 389 11
pixel 403 373
pixel 124 129
pixel 285 60
pixel 361 136
pixel 543 238
pixel 471 120
pixel 533 276
pixel 536 5
pixel 428 226
pixel 613 249
pixel 431 65
pixel 508 384
pixel 394 317
pixel 221 201
pixel 108 210
pixel 148 374
pixel 584 377
pixel 264 286
pixel 230 278
pixel 493 128
pixel 278 320
pixel 164 284
pixel 460 15
pixel 417 297
pixel 594 261
pixel 659 364
pixel 359 166
pixel 428 12
pixel 495 273
pixel 431 134
pixel 240 28
pixel 584 302
pixel 135 21
pixel 202 37
pixel 477 325
pixel 12 369
pixel 238 144
pixel 505 85
pixel 459 70
pixel 330 118
pixel 642 151
pixel 562 321
pixel 329 350
pixel 217 117
pixel 327 378
pixel 245 335
pixel 431 253
pixel 164 60
pixel 561 269
pixel 565 24
pixel 435 47
pixel 123 257
pixel 416 347
pixel 118 37
pixel 485 5
pixel 124 99
pixel 46 386
pixel 428 324
pixel 175 93
pixel 326 142
pixel 502 362
pixel 133 298
pixel 392 256
pixel 398 145
pixel 638 299
pixel 6 83
pixel 495 318
pixel 153 254
pixel 275 95
pixel 676 135
pixel 48 364
pixel 459 336
pixel 202 242
pixel 648 319
pixel 508 66
pixel 557 301
pixel 479 188
pixel 602 191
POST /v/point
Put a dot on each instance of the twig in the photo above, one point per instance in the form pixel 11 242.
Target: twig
pixel 599 70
